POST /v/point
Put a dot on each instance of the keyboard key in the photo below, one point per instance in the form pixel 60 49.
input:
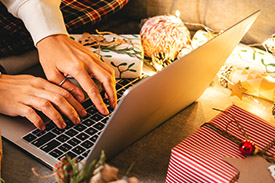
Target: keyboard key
pixel 43 139
pixel 79 127
pixel 30 137
pixel 123 82
pixel 86 153
pixel 56 153
pixel 97 117
pixel 120 92
pixel 92 110
pixel 73 142
pixel 62 138
pixel 91 131
pixel 110 109
pixel 49 126
pixel 71 132
pixel 105 120
pixel 86 104
pixel 78 150
pixel 50 146
pixel 87 144
pixel 69 125
pixel 94 138
pixel 71 154
pixel 118 86
pixel 119 95
pixel 38 132
pixel 80 158
pixel 106 101
pixel 65 147
pixel 99 126
pixel 57 131
pixel 82 136
pixel 88 122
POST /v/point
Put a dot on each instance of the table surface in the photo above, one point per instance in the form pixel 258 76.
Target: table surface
pixel 151 153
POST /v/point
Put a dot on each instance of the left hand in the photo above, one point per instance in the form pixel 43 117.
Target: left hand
pixel 61 56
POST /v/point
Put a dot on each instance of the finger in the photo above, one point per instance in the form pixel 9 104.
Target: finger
pixel 57 77
pixel 107 81
pixel 74 90
pixel 47 108
pixel 59 101
pixel 91 88
pixel 31 115
pixel 97 60
pixel 66 94
pixel 103 65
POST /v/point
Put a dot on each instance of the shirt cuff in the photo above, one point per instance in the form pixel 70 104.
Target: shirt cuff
pixel 42 18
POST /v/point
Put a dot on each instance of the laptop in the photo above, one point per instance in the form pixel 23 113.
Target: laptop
pixel 144 105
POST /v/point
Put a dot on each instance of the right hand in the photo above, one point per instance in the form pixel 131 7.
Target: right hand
pixel 61 56
pixel 22 95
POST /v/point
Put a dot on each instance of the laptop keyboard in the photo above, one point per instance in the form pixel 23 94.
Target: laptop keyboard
pixel 76 140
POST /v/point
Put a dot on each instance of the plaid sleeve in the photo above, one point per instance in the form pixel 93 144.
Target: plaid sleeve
pixel 14 38
pixel 80 15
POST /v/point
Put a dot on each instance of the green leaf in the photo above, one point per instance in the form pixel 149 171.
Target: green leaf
pixel 123 64
pixel 254 55
pixel 109 56
pixel 72 38
pixel 273 65
pixel 262 60
pixel 243 50
pixel 124 49
pixel 261 53
pixel 247 68
pixel 132 70
pixel 113 64
pixel 131 65
pixel 105 51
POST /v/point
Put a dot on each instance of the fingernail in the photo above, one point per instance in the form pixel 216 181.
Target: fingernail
pixel 63 125
pixel 83 112
pixel 114 105
pixel 77 120
pixel 106 112
pixel 42 127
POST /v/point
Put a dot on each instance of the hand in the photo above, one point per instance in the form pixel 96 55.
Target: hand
pixel 61 56
pixel 23 94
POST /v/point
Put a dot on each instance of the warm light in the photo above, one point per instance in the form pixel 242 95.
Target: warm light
pixel 178 14
pixel 269 78
pixel 158 67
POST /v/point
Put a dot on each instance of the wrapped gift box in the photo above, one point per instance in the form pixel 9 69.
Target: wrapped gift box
pixel 125 59
pixel 199 158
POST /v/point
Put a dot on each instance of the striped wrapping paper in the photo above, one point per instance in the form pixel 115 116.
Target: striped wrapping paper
pixel 199 158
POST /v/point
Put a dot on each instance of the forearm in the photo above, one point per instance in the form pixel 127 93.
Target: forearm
pixel 42 18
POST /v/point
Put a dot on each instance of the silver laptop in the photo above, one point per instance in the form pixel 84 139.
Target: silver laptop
pixel 142 107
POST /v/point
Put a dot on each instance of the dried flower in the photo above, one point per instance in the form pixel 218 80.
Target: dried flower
pixel 104 173
pixel 68 171
pixel 270 44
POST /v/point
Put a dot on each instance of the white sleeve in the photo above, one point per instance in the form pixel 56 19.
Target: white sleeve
pixel 42 18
